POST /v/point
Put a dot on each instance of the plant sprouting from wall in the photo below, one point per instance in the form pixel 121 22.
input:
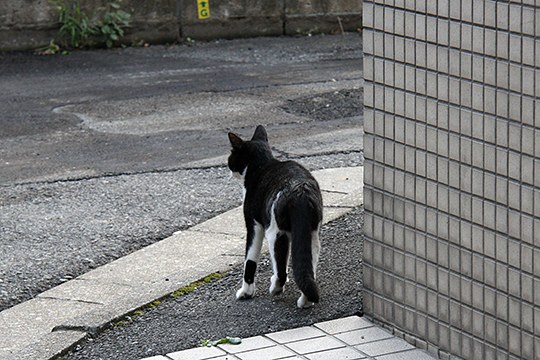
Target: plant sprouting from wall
pixel 105 26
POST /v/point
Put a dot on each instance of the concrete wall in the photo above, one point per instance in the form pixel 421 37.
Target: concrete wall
pixel 452 174
pixel 28 24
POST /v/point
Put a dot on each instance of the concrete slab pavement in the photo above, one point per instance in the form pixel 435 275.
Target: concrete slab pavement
pixel 347 338
pixel 59 318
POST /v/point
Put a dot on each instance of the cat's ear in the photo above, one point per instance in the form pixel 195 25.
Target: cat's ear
pixel 260 134
pixel 235 140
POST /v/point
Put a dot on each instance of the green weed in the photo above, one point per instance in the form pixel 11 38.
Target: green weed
pixel 195 285
pixel 79 29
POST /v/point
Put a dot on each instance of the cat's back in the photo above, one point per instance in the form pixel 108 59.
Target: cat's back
pixel 280 174
pixel 292 189
pixel 289 179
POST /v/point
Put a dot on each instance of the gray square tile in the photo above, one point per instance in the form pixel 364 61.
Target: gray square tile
pixel 502 15
pixel 303 333
pixel 515 78
pixel 410 273
pixel 378 17
pixel 502 306
pixel 384 347
pixel 490 13
pixel 515 18
pixel 455 34
pixel 443 8
pixel 252 343
pixel 478 96
pixel 490 37
pixel 527 21
pixel 515 107
pixel 361 336
pixel 490 102
pixel 410 50
pixel 528 51
pixel 378 39
pixel 442 87
pixel 490 329
pixel 420 27
pixel 515 48
pixel 399 49
pixel 443 31
pixel 199 353
pixel 527 264
pixel 270 353
pixel 343 325
pixel 455 292
pixel 368 40
pixel 415 354
pixel 399 22
pixel 421 325
pixel 421 105
pixel 528 80
pixel 502 44
pixel 410 24
pixel 502 101
pixel 431 28
pixel 367 15
pixel 314 345
pixel 466 37
pixel 527 174
pixel 347 353
pixel 478 68
pixel 528 229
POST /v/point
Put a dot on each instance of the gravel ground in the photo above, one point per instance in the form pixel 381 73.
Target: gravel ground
pixel 211 312
pixel 106 218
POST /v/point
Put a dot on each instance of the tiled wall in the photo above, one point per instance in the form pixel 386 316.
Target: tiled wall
pixel 452 174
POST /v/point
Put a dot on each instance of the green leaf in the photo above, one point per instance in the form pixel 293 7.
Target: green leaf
pixel 225 340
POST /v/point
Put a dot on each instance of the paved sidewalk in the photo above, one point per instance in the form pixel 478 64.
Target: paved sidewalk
pixel 348 338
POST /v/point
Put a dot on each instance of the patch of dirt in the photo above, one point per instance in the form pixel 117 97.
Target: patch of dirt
pixel 328 106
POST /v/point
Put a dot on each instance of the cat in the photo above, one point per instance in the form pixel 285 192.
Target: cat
pixel 282 202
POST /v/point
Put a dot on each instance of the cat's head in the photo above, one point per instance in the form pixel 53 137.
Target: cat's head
pixel 245 152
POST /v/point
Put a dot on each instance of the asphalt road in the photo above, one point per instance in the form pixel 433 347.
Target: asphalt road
pixel 103 152
pixel 144 109
pixel 212 312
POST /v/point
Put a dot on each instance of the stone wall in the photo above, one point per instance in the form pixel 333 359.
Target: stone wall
pixel 452 174
pixel 29 24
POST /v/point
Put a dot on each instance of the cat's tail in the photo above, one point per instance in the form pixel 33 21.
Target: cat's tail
pixel 305 219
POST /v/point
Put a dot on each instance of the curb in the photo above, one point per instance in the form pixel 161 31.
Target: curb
pixel 57 319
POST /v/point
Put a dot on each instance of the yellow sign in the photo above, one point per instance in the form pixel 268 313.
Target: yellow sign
pixel 203 9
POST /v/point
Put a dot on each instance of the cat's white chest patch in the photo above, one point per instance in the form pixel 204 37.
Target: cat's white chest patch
pixel 241 178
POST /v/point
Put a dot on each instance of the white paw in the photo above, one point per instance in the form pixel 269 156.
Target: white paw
pixel 275 287
pixel 303 302
pixel 246 291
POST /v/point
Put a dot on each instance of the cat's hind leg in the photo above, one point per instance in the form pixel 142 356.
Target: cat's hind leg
pixel 255 236
pixel 279 253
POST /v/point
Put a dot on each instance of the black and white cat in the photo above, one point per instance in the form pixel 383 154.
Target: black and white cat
pixel 282 202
